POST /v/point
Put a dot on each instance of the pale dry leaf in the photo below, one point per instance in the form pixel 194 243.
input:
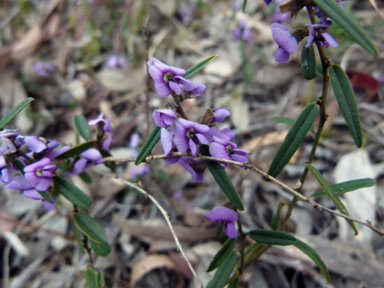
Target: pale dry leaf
pixel 121 80
pixel 240 114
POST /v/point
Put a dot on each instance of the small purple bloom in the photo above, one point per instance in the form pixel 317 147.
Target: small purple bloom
pixel 278 16
pixel 267 2
pixel 327 40
pixel 225 216
pixel 5 172
pixel 88 158
pixel 39 174
pixel 140 171
pixel 189 134
pixel 39 144
pixel 164 117
pixel 107 129
pixel 313 28
pixel 53 153
pixel 287 43
pixel 7 136
pixel 220 114
pixel 186 14
pixel 223 149
pixel 134 140
pixel 116 62
pixel 195 168
pixel 20 183
pixel 243 31
pixel 43 68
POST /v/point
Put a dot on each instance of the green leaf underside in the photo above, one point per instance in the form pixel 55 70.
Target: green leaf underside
pixel 235 283
pixel 90 227
pixel 82 126
pixel 311 253
pixel 222 254
pixel 275 220
pixel 78 239
pixel 331 194
pixel 337 14
pixel 153 138
pixel 70 191
pixel 293 139
pixel 272 237
pixel 308 63
pixel 78 149
pixel 224 272
pixel 16 110
pixel 90 276
pixel 222 179
pixel 101 249
pixel 85 177
pixel 197 67
pixel 347 102
pixel 348 186
pixel 290 122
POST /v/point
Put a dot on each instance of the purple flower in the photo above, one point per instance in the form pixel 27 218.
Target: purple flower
pixel 134 140
pixel 313 28
pixel 140 171
pixel 20 183
pixel 53 153
pixel 243 31
pixel 195 168
pixel 39 174
pixel 220 114
pixel 222 148
pixel 267 2
pixel 166 140
pixel 164 117
pixel 189 134
pixel 5 172
pixel 186 14
pixel 278 16
pixel 327 40
pixel 39 144
pixel 88 158
pixel 169 78
pixel 7 136
pixel 225 216
pixel 43 68
pixel 287 43
pixel 106 130
pixel 116 62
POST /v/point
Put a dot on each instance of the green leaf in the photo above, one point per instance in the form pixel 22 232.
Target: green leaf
pixel 290 122
pixel 293 139
pixel 20 166
pixel 331 194
pixel 275 220
pixel 220 231
pixel 272 237
pixel 235 283
pixel 319 70
pixel 223 180
pixel 46 196
pixel 101 279
pixel 90 276
pixel 337 14
pixel 153 138
pixel 196 68
pixel 222 254
pixel 315 258
pixel 347 102
pixel 101 249
pixel 85 177
pixel 82 126
pixel 90 227
pixel 244 4
pixel 224 272
pixel 72 193
pixel 16 110
pixel 76 150
pixel 109 164
pixel 348 186
pixel 308 63
pixel 78 239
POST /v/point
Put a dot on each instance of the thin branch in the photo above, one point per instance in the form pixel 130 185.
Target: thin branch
pixel 166 217
pixel 261 172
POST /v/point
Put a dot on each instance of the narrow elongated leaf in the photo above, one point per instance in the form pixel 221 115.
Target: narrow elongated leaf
pixel 235 283
pixel 223 254
pixel 272 237
pixel 224 272
pixel 290 122
pixel 70 191
pixel 153 138
pixel 347 102
pixel 20 166
pixel 101 249
pixel 78 239
pixel 196 68
pixel 315 258
pixel 223 180
pixel 331 194
pixel 319 70
pixel 293 139
pixel 82 126
pixel 348 186
pixel 76 150
pixel 85 177
pixel 275 220
pixel 337 14
pixel 244 4
pixel 101 279
pixel 308 63
pixel 90 227
pixel 46 196
pixel 90 276
pixel 16 110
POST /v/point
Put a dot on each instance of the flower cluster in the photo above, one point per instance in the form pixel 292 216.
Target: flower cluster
pixel 242 31
pixel 32 172
pixel 43 68
pixel 288 43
